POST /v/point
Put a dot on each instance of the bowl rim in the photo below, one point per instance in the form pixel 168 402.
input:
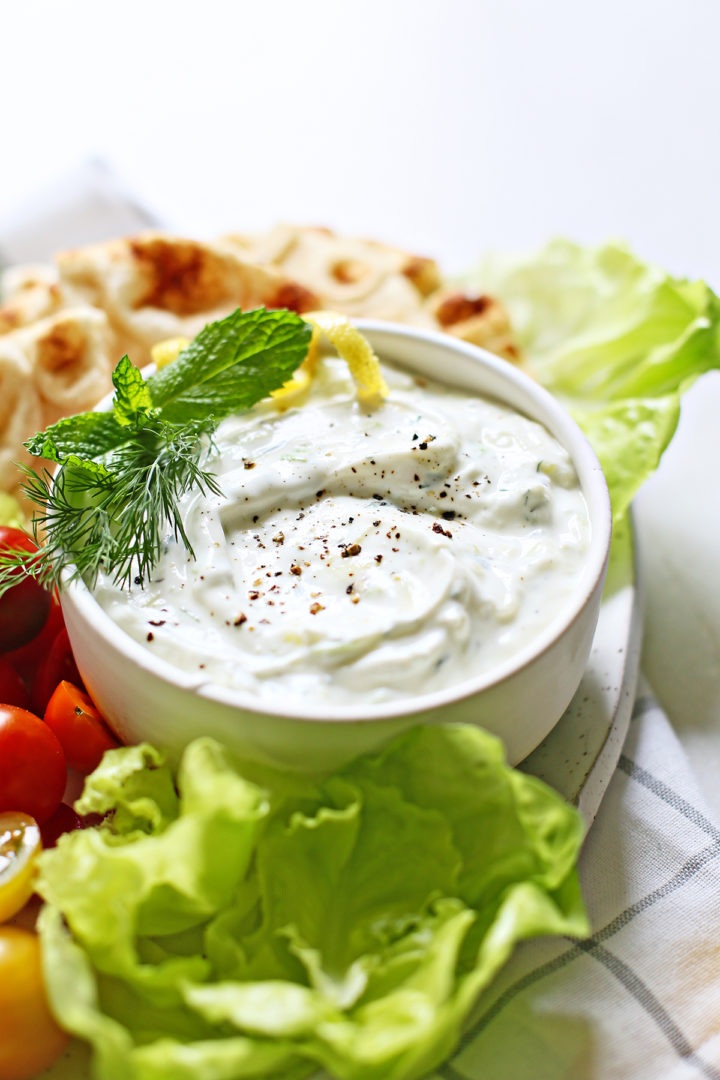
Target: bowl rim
pixel 595 491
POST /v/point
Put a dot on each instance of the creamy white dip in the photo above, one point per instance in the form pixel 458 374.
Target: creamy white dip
pixel 360 556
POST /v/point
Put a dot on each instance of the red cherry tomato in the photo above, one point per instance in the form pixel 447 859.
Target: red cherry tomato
pixel 28 659
pixel 32 765
pixel 79 728
pixel 59 664
pixel 23 607
pixel 12 688
pixel 63 820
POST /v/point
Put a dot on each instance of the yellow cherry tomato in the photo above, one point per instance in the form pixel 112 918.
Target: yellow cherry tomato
pixel 30 1040
pixel 19 846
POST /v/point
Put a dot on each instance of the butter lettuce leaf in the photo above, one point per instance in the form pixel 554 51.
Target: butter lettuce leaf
pixel 629 438
pixel 616 339
pixel 226 920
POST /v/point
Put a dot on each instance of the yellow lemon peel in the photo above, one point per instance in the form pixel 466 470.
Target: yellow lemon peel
pixel 166 351
pixel 355 350
pixel 300 382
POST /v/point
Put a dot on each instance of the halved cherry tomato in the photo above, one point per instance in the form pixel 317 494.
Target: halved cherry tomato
pixel 23 607
pixel 79 727
pixel 12 688
pixel 59 664
pixel 30 1039
pixel 28 659
pixel 63 820
pixel 19 845
pixel 32 765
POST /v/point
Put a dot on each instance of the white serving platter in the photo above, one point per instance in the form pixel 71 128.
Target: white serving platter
pixel 579 756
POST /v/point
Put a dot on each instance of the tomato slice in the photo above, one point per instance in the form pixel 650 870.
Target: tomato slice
pixel 79 727
pixel 20 843
pixel 32 765
pixel 30 1039
pixel 23 607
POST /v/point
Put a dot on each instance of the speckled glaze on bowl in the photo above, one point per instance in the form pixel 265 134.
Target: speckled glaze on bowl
pixel 146 698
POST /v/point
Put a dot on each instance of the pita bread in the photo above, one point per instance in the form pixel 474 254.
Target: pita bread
pixel 64 327
pixel 20 411
pixel 28 293
pixel 352 276
pixel 58 366
pixel 156 286
pixel 477 318
pixel 70 360
pixel 365 278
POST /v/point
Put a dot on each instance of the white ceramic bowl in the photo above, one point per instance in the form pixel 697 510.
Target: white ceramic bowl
pixel 146 698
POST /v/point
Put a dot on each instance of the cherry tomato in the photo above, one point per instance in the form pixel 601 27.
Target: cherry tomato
pixel 63 820
pixel 79 727
pixel 23 607
pixel 32 765
pixel 12 688
pixel 19 846
pixel 59 664
pixel 29 658
pixel 30 1039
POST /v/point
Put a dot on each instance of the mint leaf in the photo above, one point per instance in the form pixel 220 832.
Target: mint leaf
pixel 88 435
pixel 132 396
pixel 112 513
pixel 238 387
pixel 263 347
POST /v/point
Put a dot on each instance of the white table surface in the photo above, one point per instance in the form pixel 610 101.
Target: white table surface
pixel 447 128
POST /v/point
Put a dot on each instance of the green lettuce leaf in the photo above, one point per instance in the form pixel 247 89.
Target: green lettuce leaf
pixel 229 921
pixel 615 339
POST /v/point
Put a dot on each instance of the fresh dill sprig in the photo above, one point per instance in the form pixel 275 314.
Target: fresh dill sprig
pixel 114 517
pixel 122 474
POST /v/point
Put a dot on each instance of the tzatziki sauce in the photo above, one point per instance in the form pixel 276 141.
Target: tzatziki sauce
pixel 361 556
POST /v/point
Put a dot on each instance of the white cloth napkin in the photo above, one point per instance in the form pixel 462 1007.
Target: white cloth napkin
pixel 84 206
pixel 640 999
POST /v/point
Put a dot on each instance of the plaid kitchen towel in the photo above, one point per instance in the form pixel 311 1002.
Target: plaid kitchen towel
pixel 640 999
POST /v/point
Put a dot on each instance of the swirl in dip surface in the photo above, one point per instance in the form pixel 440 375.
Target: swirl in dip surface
pixel 363 556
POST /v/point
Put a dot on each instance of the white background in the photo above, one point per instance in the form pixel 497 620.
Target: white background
pixel 444 127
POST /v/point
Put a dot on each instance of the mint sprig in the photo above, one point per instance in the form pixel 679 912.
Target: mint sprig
pixel 124 472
